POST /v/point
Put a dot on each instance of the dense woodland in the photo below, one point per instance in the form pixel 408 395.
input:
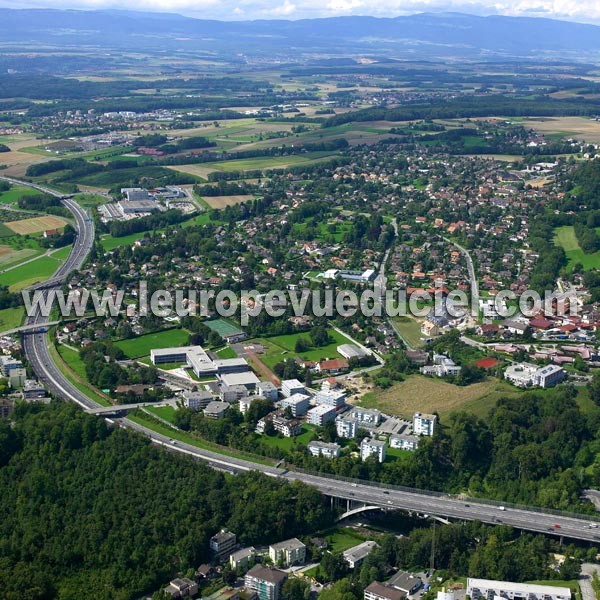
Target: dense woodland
pixel 91 512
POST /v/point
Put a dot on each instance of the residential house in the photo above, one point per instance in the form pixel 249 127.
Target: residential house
pixel 287 553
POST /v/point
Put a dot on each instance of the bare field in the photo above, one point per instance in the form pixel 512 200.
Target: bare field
pixel 223 201
pixel 198 170
pixel 36 224
pixel 579 128
pixel 427 394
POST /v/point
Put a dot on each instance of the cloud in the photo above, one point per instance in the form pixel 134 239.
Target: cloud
pixel 284 10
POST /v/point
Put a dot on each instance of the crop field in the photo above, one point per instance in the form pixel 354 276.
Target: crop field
pixel 140 346
pixel 579 128
pixel 428 394
pixel 223 201
pixel 269 162
pixel 36 224
pixel 566 238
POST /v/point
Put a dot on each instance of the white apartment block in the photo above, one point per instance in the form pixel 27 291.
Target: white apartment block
pixel 424 424
pixel 487 589
pixel 372 448
pixel 321 414
pixel 365 417
pixel 404 442
pixel 292 386
pixel 332 398
pixel 288 552
pixel 529 375
pixel 298 403
pixel 346 427
pixel 324 449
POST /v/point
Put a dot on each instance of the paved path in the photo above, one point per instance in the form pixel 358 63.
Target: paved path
pixel 585 581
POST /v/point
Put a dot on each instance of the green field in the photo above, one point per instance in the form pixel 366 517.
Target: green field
pixel 341 539
pixel 166 413
pixel 410 330
pixel 282 347
pixel 110 243
pixel 140 346
pixel 566 238
pixel 269 162
pixel 16 192
pixel 286 443
pixel 226 352
pixel 33 272
pixel 11 318
pixel 222 327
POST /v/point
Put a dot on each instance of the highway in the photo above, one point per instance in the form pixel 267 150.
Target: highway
pixel 418 501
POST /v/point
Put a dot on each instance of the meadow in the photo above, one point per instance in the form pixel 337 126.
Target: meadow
pixel 566 238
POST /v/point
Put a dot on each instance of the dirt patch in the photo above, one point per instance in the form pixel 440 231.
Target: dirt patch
pixel 223 201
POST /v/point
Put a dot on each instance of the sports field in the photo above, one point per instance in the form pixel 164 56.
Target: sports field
pixel 222 327
pixel 140 346
pixel 36 224
pixel 566 238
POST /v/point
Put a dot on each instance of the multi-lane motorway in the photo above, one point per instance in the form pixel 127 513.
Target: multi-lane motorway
pixel 422 502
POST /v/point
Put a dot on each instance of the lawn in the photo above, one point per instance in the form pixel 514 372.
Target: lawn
pixel 141 345
pixel 342 538
pixel 11 318
pixel 282 347
pixel 428 394
pixel 110 243
pixel 398 455
pixel 30 273
pixel 226 352
pixel 566 238
pixel 286 443
pixel 166 413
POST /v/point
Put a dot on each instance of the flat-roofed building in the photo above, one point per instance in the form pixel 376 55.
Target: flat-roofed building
pixel 366 417
pixel 404 442
pixel 375 448
pixel 182 587
pixel 223 543
pixel 321 415
pixel 297 403
pixel 292 386
pixel 197 400
pixel 240 559
pixel 346 427
pixel 247 379
pixel 194 356
pixel 424 424
pixel 407 583
pixel 332 398
pixel 267 389
pixel 132 207
pixel 287 553
pixel 489 589
pixel 232 393
pixel 135 193
pixel 380 591
pixel 328 450
pixel 351 351
pixel 265 582
pixel 216 409
pixel 356 555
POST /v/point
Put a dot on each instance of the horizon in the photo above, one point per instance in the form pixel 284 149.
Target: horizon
pixel 586 12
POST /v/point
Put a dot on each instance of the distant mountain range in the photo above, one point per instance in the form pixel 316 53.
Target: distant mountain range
pixel 413 37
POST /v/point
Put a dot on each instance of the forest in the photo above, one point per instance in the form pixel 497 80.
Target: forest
pixel 95 512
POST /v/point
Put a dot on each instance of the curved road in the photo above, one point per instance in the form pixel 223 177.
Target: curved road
pixel 36 349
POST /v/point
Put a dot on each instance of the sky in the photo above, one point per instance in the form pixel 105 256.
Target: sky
pixel 585 11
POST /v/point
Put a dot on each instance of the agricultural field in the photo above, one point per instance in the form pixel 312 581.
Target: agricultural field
pixel 566 238
pixel 140 346
pixel 16 191
pixel 429 394
pixel 36 224
pixel 269 162
pixel 579 128
pixel 223 201
pixel 10 256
